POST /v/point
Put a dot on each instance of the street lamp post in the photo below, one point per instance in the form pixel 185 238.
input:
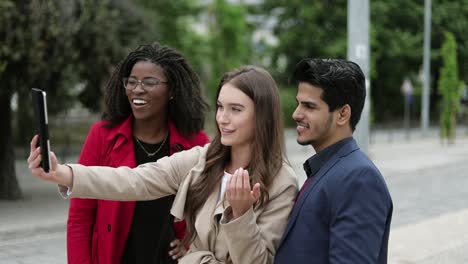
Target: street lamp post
pixel 426 67
pixel 358 52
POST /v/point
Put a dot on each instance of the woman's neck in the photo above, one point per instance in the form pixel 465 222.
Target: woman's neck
pixel 240 158
pixel 152 131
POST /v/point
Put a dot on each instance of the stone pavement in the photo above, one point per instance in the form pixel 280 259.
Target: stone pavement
pixel 435 179
pixel 425 228
pixel 32 230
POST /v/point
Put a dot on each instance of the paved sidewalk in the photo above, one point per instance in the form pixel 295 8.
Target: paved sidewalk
pixel 32 230
pixel 40 210
pixel 435 232
pixel 415 237
pixel 442 239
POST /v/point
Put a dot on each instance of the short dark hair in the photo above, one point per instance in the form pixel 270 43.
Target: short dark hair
pixel 187 108
pixel 341 81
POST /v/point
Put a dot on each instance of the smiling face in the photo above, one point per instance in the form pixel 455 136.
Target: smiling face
pixel 235 117
pixel 315 123
pixel 148 103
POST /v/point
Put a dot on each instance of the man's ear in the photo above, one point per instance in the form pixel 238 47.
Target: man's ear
pixel 344 115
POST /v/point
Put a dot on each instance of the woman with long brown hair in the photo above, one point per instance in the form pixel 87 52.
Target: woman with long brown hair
pixel 235 193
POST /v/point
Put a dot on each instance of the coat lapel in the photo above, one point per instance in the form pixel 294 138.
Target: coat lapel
pixel 321 174
pixel 204 221
pixel 305 193
pixel 120 152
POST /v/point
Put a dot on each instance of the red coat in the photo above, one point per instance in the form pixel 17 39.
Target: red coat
pixel 97 230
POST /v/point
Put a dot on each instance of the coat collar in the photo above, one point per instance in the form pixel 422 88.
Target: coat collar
pixel 122 150
pixel 344 150
pixel 177 142
pixel 314 163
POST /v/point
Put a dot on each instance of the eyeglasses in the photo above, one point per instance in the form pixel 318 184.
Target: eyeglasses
pixel 131 83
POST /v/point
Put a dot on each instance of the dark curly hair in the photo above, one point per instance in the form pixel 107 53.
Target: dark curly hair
pixel 187 108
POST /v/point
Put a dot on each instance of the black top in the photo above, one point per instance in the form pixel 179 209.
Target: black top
pixel 151 230
pixel 314 163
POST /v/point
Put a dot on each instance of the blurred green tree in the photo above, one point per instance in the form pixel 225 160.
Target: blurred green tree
pixel 69 48
pixel 102 32
pixel 306 29
pixel 229 40
pixel 396 53
pixel 450 88
pixel 55 45
pixel 33 53
pixel 178 24
pixel 318 29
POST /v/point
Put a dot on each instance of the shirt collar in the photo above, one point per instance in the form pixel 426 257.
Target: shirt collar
pixel 314 163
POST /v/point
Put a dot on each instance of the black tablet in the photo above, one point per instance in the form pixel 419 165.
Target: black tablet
pixel 42 125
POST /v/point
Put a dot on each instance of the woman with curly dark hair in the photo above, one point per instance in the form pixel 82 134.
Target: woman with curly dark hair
pixel 153 108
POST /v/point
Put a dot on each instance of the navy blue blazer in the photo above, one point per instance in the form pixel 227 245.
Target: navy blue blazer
pixel 343 215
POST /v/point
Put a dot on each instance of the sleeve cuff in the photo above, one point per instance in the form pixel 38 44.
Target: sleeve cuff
pixel 64 191
pixel 227 222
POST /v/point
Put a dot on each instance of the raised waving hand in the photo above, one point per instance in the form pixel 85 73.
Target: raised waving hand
pixel 239 194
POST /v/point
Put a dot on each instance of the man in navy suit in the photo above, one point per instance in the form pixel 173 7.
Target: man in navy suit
pixel 343 211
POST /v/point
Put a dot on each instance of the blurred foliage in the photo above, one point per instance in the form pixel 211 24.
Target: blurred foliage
pixel 450 88
pixel 229 37
pixel 318 29
pixel 305 29
pixel 69 47
pixel 288 105
pixel 102 31
pixel 174 23
pixel 34 53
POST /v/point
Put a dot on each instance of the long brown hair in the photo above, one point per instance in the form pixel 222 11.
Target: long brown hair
pixel 268 145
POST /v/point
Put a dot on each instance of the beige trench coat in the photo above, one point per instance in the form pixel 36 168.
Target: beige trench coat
pixel 251 238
